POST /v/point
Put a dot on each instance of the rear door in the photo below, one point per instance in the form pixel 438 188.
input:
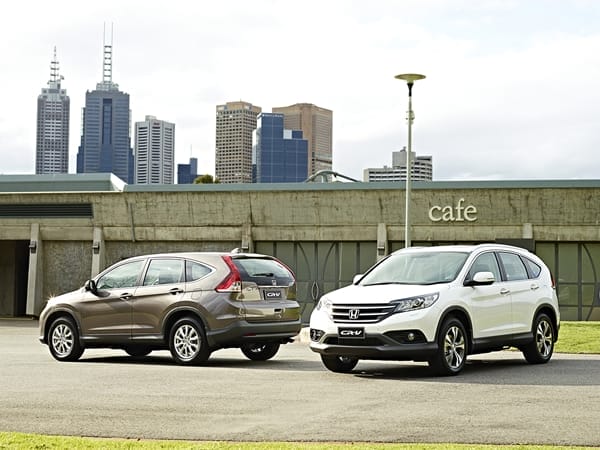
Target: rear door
pixel 268 290
pixel 522 291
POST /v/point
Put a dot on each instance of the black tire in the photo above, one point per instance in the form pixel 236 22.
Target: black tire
pixel 340 364
pixel 137 351
pixel 540 350
pixel 451 355
pixel 260 352
pixel 187 342
pixel 63 340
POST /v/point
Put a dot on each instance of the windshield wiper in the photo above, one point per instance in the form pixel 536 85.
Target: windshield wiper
pixel 381 283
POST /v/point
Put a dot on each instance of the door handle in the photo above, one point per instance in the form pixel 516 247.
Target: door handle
pixel 175 291
pixel 534 287
pixel 125 296
pixel 504 291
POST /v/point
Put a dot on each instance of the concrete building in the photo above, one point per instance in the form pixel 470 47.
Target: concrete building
pixel 56 231
pixel 154 151
pixel 316 124
pixel 106 131
pixel 281 155
pixel 421 170
pixel 53 110
pixel 187 173
pixel 236 122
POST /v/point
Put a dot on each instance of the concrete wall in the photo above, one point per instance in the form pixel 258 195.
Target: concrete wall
pixel 221 218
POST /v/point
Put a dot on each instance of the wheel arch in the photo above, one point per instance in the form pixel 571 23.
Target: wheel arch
pixel 57 315
pixel 177 314
pixel 550 312
pixel 463 316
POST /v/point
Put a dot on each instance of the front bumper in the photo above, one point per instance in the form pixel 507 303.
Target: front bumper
pixel 374 346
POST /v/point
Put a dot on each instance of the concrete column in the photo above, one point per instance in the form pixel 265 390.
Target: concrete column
pixel 527 232
pixel 98 251
pixel 382 241
pixel 247 242
pixel 36 269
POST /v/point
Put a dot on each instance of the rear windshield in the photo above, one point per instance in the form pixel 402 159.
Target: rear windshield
pixel 263 271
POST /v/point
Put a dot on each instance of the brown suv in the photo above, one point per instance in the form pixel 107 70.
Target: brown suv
pixel 189 303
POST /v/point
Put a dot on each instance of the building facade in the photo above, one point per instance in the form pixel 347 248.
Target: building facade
pixel 187 173
pixel 235 125
pixel 53 110
pixel 106 130
pixel 421 169
pixel 281 155
pixel 316 124
pixel 154 151
pixel 56 231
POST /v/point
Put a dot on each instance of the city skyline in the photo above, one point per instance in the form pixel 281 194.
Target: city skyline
pixel 506 81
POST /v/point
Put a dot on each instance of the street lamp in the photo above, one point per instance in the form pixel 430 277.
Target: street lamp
pixel 410 79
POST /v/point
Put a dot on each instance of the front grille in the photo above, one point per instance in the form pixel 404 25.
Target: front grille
pixel 362 313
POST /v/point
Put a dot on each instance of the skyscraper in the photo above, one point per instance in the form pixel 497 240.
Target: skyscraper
pixel 316 124
pixel 236 121
pixel 187 173
pixel 53 108
pixel 105 137
pixel 281 155
pixel 154 151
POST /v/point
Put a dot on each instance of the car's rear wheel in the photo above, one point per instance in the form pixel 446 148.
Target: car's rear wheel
pixel 341 364
pixel 63 340
pixel 260 352
pixel 540 350
pixel 451 355
pixel 138 350
pixel 187 342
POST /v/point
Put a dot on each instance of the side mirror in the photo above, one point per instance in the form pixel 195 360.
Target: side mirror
pixel 357 278
pixel 481 279
pixel 90 286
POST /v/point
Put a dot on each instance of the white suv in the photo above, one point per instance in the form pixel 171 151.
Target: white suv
pixel 440 304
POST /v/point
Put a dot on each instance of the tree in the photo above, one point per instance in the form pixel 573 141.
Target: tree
pixel 206 179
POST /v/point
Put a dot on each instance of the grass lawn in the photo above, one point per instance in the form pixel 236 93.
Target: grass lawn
pixel 578 337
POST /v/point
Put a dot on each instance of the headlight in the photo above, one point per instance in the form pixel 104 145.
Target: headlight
pixel 414 303
pixel 324 304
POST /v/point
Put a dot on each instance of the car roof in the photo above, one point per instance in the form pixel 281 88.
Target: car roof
pixel 198 255
pixel 463 248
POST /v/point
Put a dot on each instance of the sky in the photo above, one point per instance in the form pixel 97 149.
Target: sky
pixel 512 87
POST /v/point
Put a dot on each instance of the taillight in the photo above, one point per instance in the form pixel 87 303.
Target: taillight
pixel 233 281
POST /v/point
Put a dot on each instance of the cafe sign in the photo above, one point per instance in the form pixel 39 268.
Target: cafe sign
pixel 453 213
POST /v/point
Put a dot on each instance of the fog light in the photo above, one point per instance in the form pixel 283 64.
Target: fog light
pixel 411 336
pixel 315 334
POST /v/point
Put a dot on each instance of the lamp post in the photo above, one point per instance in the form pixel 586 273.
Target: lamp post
pixel 410 79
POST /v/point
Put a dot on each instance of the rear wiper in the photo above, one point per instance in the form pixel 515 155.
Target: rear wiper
pixel 265 274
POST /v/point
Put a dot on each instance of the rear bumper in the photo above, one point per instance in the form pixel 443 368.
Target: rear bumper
pixel 244 332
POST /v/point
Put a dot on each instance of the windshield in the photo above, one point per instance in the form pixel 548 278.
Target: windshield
pixel 416 268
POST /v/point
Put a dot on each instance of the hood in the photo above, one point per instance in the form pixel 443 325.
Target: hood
pixel 65 298
pixel 385 293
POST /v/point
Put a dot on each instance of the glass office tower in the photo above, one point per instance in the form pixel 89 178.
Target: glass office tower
pixel 106 131
pixel 281 155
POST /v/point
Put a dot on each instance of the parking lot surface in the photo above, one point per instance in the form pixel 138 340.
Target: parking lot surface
pixel 498 399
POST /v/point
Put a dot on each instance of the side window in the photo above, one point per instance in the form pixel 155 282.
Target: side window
pixel 164 271
pixel 513 266
pixel 533 268
pixel 125 275
pixel 485 263
pixel 195 271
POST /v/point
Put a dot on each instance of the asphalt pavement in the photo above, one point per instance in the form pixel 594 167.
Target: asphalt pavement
pixel 498 399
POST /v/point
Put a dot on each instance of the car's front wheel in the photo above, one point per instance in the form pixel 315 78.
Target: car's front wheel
pixel 540 350
pixel 187 342
pixel 451 355
pixel 260 352
pixel 63 340
pixel 341 364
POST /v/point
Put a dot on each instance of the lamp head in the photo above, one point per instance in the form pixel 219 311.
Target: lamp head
pixel 410 77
